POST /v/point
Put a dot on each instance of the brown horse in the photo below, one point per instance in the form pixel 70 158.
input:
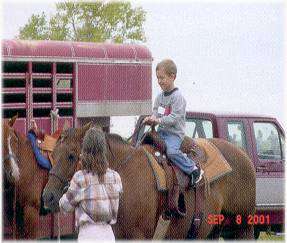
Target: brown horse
pixel 26 178
pixel 139 208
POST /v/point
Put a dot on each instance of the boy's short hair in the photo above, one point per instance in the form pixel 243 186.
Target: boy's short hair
pixel 168 66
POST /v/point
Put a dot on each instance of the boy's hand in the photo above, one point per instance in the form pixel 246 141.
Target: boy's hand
pixel 151 120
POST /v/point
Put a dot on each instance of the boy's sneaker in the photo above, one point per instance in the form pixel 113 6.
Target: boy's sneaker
pixel 196 176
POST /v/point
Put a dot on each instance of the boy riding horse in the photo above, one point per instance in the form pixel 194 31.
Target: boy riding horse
pixel 169 114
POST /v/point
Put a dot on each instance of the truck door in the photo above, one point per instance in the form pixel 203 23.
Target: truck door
pixel 268 146
pixel 236 132
pixel 269 159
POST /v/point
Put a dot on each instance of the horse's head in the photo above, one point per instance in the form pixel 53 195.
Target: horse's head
pixel 9 150
pixel 66 156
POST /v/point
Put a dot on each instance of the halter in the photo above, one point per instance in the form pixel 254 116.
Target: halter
pixel 66 183
pixel 63 182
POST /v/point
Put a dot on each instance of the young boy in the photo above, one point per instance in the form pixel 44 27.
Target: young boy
pixel 169 113
pixel 94 191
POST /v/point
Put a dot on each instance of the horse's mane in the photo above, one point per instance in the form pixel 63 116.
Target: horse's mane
pixel 17 133
pixel 116 138
pixel 109 136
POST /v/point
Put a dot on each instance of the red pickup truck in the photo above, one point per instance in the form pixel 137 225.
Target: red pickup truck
pixel 263 139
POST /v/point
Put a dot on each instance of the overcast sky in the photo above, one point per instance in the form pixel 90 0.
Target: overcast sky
pixel 230 56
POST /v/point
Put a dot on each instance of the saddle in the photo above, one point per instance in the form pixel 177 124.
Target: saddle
pixel 47 147
pixel 177 182
pixel 48 144
pixel 188 146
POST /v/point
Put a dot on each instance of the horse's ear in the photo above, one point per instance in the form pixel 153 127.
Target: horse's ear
pixel 12 120
pixel 99 127
pixel 66 125
pixel 85 128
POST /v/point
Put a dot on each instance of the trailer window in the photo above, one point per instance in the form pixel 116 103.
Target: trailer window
pixel 199 128
pixel 65 112
pixel 42 83
pixel 38 67
pixel 14 98
pixel 41 112
pixel 14 83
pixel 8 113
pixel 267 141
pixel 64 68
pixel 64 83
pixel 14 67
pixel 42 98
pixel 236 134
pixel 62 97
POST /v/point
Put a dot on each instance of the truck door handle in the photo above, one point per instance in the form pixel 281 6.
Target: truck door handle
pixel 261 168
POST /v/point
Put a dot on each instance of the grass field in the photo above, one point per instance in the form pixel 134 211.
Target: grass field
pixel 271 237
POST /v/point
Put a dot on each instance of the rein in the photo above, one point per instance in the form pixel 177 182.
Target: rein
pixel 58 177
pixel 130 155
pixel 66 183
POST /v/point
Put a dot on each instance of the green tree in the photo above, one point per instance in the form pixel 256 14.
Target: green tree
pixel 88 21
pixel 36 28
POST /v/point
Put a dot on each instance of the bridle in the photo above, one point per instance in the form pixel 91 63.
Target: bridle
pixel 64 182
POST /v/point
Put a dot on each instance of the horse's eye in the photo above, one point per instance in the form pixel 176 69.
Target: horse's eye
pixel 71 157
pixel 61 138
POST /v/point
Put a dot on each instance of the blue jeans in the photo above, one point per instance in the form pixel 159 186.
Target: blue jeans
pixel 174 153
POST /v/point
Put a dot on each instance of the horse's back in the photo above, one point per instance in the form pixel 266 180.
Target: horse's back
pixel 241 181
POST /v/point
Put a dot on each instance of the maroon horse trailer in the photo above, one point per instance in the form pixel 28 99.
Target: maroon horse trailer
pixel 84 81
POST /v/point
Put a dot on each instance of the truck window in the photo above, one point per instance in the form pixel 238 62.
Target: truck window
pixel 267 141
pixel 236 134
pixel 199 128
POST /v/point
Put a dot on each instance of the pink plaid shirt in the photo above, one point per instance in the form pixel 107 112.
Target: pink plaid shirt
pixel 93 202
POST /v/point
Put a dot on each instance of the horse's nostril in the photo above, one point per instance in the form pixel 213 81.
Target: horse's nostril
pixel 51 197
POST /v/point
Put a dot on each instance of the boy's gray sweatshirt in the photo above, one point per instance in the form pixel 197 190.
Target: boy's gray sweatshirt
pixel 170 108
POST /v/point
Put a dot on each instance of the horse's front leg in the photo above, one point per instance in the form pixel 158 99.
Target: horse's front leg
pixel 18 227
pixel 31 221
